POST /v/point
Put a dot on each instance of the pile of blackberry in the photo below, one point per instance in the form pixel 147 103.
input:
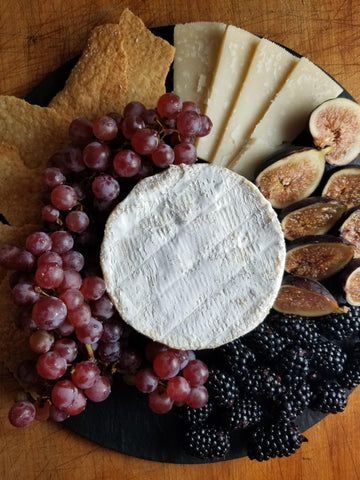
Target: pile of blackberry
pixel 260 384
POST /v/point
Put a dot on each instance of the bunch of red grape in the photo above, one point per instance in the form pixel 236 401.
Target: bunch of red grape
pixel 173 376
pixel 77 336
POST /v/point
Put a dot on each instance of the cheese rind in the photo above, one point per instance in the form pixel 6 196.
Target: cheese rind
pixel 306 87
pixel 197 47
pixel 235 55
pixel 193 257
pixel 268 71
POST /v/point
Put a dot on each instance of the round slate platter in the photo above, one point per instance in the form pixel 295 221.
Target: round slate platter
pixel 124 422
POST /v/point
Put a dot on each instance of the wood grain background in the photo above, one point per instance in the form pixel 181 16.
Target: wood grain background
pixel 38 36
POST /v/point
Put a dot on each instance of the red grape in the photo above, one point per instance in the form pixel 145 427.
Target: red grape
pixel 127 163
pixel 146 381
pixel 49 312
pixel 100 390
pixel 64 393
pixel 178 389
pixel 105 128
pixel 159 401
pixel 63 197
pixel 96 156
pixel 166 364
pixel 85 373
pixel 169 105
pixel 51 365
pixel 80 131
pixel 22 414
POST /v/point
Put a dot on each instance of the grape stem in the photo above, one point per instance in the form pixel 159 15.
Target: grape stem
pixel 90 351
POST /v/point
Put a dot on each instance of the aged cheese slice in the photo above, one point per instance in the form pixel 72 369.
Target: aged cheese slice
pixel 268 71
pixel 306 87
pixel 193 257
pixel 236 52
pixel 197 47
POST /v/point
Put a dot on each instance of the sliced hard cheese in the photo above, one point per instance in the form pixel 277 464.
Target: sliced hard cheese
pixel 306 87
pixel 193 257
pixel 197 47
pixel 237 49
pixel 268 71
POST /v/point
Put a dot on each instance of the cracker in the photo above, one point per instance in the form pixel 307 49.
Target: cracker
pixel 14 235
pixel 20 187
pixel 98 82
pixel 149 60
pixel 14 343
pixel 38 132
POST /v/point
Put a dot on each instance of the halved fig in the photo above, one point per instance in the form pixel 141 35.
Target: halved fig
pixel 311 216
pixel 291 175
pixel 344 185
pixel 336 123
pixel 318 256
pixel 351 282
pixel 306 297
pixel 350 230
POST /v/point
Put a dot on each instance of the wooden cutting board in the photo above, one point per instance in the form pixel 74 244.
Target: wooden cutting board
pixel 36 38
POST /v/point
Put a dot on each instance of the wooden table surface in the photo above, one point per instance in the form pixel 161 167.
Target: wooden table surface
pixel 38 36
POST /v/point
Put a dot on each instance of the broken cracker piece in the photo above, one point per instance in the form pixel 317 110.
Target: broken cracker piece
pixel 98 82
pixel 149 60
pixel 20 187
pixel 38 132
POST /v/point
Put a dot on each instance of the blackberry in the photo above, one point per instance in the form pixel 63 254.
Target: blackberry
pixel 327 358
pixel 262 382
pixel 295 399
pixel 301 330
pixel 222 387
pixel 266 342
pixel 293 365
pixel 280 438
pixel 350 377
pixel 246 412
pixel 236 357
pixel 329 397
pixel 341 326
pixel 195 416
pixel 206 441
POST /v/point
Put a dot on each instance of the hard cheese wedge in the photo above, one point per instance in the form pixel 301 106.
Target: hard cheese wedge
pixel 176 278
pixel 236 52
pixel 197 47
pixel 267 73
pixel 306 87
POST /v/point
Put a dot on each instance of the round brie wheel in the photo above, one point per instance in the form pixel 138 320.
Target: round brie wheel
pixel 193 257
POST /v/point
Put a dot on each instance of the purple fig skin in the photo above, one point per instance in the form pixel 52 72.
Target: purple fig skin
pixel 305 297
pixel 344 185
pixel 322 213
pixel 292 177
pixel 336 123
pixel 305 258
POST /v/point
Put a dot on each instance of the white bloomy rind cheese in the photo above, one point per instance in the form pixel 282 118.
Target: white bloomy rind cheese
pixel 193 257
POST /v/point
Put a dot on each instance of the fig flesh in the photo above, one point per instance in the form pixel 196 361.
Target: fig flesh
pixel 291 175
pixel 336 123
pixel 344 185
pixel 306 297
pixel 311 216
pixel 318 256
pixel 350 230
pixel 351 283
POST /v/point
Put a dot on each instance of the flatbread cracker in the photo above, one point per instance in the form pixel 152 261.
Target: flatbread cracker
pixel 149 60
pixel 20 187
pixel 98 82
pixel 38 132
pixel 14 343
